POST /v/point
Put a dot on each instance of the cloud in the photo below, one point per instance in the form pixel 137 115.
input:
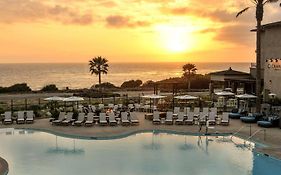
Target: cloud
pixel 215 15
pixel 237 34
pixel 118 21
pixel 13 11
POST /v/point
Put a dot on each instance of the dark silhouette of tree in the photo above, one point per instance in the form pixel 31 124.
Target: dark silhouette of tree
pixel 189 70
pixel 98 66
pixel 259 5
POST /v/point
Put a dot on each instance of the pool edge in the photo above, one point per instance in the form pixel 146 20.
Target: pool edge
pixel 4 166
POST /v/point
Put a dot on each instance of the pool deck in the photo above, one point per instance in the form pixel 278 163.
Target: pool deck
pixel 272 139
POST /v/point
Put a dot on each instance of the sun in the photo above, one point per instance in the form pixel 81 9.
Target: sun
pixel 175 38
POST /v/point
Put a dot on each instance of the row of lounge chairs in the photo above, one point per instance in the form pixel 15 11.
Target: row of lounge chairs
pixel 22 117
pixel 89 119
pixel 196 110
pixel 181 119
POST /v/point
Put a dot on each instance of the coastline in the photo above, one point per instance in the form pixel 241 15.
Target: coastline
pixel 272 142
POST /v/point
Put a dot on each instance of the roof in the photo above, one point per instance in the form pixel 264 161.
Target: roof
pixel 269 25
pixel 230 71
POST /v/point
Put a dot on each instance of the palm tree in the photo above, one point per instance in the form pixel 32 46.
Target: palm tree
pixel 189 70
pixel 98 66
pixel 259 5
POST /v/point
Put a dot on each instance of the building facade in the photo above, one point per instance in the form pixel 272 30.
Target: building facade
pixel 271 58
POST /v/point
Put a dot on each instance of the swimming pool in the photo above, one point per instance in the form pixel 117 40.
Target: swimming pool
pixel 39 153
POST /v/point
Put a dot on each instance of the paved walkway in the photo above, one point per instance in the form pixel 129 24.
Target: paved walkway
pixel 272 139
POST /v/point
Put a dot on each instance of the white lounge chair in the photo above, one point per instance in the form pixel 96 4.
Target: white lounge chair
pixel 202 118
pixel 156 118
pixel 137 107
pixel 103 121
pixel 8 117
pixel 176 112
pixel 124 119
pixel 80 119
pixel 20 119
pixel 110 106
pixel 101 106
pixel 190 118
pixel 206 110
pixel 186 110
pixel 90 119
pixel 60 118
pixel 112 120
pixel 180 120
pixel 29 117
pixel 134 118
pixel 169 118
pixel 68 119
pixel 131 106
pixel 225 119
pixel 212 118
pixel 214 110
pixel 92 108
pixel 196 112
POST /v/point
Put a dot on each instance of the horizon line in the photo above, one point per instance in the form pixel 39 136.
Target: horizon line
pixel 128 62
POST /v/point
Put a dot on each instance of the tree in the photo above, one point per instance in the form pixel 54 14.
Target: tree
pixel 189 70
pixel 98 66
pixel 259 5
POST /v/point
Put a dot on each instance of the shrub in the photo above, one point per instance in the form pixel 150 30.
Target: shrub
pixel 35 109
pixel 131 84
pixel 55 113
pixel 200 82
pixel 106 85
pixel 16 88
pixel 50 88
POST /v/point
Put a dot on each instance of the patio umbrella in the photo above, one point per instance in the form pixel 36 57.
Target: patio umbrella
pixel 153 96
pixel 224 93
pixel 55 98
pixel 246 97
pixel 73 99
pixel 186 97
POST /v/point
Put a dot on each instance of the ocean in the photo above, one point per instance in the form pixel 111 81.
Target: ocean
pixel 76 75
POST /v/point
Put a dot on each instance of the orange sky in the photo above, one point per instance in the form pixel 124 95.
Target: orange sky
pixel 128 30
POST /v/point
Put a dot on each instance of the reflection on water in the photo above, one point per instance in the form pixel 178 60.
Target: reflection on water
pixel 32 153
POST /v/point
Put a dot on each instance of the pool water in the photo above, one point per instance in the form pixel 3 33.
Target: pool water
pixel 39 153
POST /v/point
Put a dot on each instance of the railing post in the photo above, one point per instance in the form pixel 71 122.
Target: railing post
pixel 12 105
pixel 250 130
pixel 25 104
pixel 39 102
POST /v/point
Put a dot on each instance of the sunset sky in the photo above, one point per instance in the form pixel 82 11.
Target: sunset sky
pixel 128 30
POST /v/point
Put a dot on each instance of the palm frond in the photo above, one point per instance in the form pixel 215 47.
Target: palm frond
pixel 242 11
